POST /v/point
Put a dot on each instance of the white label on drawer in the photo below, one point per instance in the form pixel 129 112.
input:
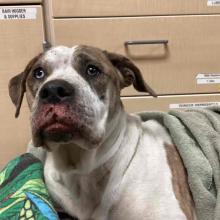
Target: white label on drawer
pixel 193 105
pixel 213 3
pixel 16 13
pixel 208 78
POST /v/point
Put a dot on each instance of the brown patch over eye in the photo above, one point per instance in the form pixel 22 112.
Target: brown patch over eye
pixel 92 66
pixel 93 70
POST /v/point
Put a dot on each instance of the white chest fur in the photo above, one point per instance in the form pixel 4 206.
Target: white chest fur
pixel 63 187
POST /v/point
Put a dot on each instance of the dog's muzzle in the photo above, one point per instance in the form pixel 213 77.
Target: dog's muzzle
pixel 54 118
pixel 62 115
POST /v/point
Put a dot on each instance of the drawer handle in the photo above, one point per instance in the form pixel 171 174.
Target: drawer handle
pixel 140 42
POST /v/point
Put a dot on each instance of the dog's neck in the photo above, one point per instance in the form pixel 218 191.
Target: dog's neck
pixel 70 157
pixel 104 167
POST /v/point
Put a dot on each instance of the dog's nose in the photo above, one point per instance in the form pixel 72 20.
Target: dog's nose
pixel 56 91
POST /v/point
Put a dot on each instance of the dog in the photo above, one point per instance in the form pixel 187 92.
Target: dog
pixel 101 162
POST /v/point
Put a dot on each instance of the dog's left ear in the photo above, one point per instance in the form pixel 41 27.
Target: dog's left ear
pixel 17 86
pixel 130 73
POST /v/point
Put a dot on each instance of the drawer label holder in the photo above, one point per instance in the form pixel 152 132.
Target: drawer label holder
pixel 18 13
pixel 208 78
pixel 194 105
pixel 213 3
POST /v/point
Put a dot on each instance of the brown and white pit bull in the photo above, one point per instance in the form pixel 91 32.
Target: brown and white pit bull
pixel 101 163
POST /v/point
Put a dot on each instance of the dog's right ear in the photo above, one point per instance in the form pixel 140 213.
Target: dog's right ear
pixel 16 91
pixel 17 86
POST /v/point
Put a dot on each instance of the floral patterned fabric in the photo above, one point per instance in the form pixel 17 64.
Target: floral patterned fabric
pixel 23 194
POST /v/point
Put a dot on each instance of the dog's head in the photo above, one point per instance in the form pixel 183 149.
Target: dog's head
pixel 73 93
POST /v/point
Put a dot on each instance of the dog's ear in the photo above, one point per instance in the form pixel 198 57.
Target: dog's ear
pixel 130 73
pixel 17 86
pixel 16 91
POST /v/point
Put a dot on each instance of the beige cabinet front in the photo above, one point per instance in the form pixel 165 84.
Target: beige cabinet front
pixel 166 103
pixel 192 52
pixel 21 40
pixel 88 8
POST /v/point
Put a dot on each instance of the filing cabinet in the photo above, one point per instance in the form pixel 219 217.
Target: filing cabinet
pixel 21 39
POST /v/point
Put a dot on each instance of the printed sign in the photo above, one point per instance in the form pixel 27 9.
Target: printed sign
pixel 208 78
pixel 16 13
pixel 193 105
pixel 213 3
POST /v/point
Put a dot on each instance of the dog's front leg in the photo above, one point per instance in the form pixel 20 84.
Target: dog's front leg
pixel 141 210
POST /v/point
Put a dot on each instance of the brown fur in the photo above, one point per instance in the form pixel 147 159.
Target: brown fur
pixel 130 73
pixel 179 181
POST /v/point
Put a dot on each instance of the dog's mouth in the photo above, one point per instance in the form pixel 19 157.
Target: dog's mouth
pixel 57 127
pixel 58 132
pixel 64 123
pixel 55 122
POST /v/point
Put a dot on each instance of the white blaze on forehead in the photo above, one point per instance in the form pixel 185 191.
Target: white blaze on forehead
pixel 60 55
pixel 61 60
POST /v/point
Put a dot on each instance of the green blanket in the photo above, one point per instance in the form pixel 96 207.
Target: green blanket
pixel 23 194
pixel 196 133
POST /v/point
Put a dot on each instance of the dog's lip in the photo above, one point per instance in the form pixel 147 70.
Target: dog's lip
pixel 56 127
pixel 56 124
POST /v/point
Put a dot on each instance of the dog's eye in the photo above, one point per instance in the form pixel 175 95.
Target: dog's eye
pixel 39 73
pixel 93 70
